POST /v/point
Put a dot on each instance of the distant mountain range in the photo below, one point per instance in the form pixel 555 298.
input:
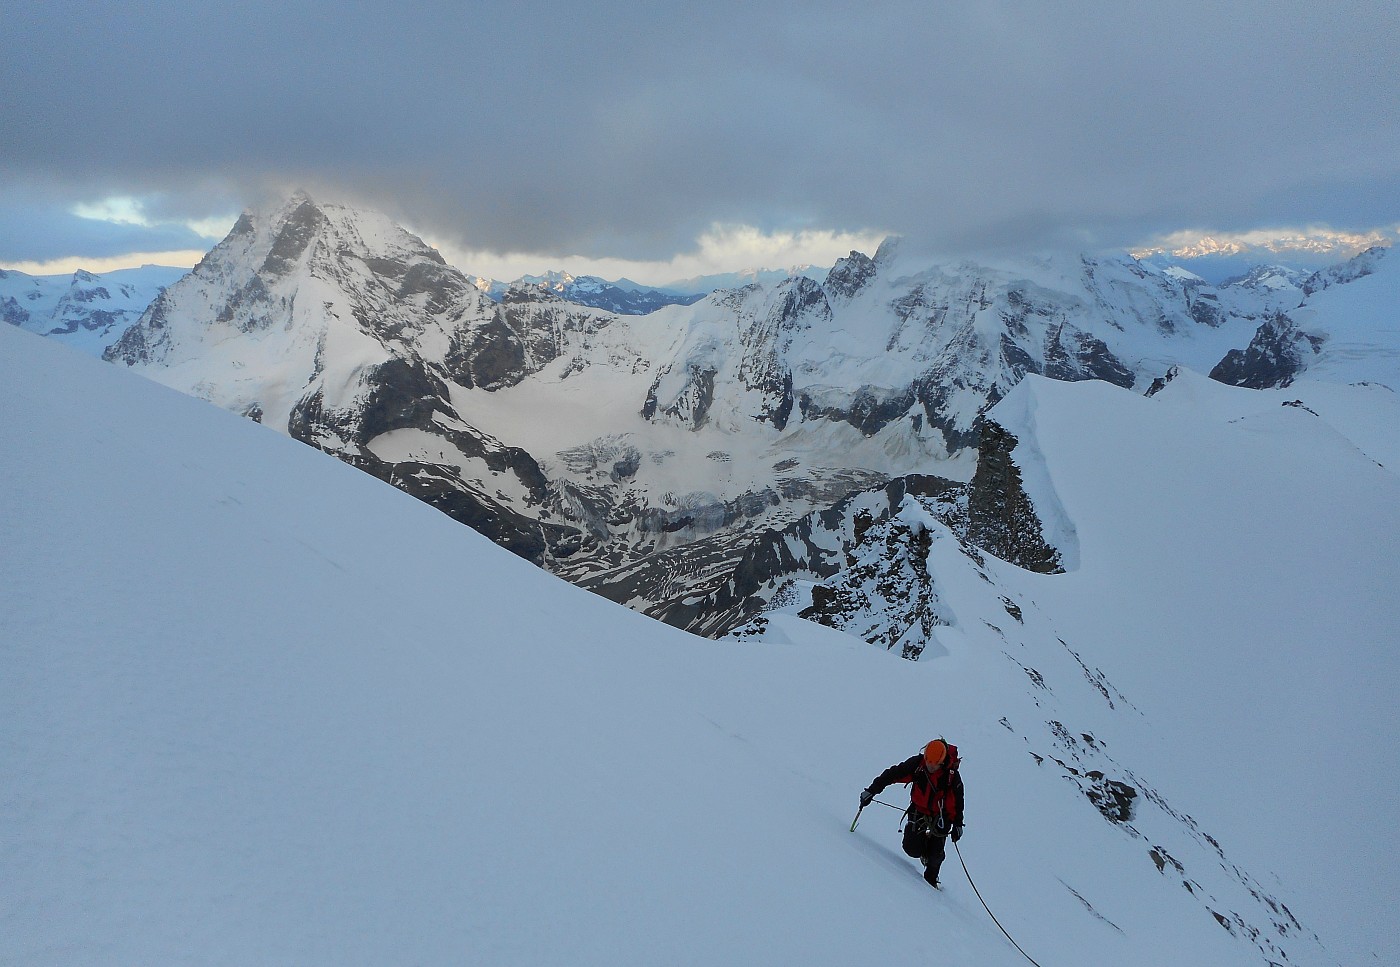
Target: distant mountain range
pixel 623 296
pixel 1220 258
pixel 84 310
pixel 641 457
pixel 626 297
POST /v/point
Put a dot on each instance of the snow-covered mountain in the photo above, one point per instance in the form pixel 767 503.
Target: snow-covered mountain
pixel 641 456
pixel 623 296
pixel 344 331
pixel 349 334
pixel 891 340
pixel 1276 287
pixel 84 310
pixel 260 708
pixel 1344 328
pixel 1221 258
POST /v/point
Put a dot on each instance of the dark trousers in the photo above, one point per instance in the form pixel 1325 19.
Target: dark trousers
pixel 923 842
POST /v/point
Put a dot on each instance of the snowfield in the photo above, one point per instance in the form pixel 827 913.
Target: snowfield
pixel 258 707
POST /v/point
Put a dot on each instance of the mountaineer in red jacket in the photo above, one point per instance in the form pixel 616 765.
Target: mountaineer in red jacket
pixel 935 802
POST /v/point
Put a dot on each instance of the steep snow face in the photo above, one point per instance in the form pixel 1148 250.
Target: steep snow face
pixel 1229 599
pixel 86 311
pixel 1249 540
pixel 258 708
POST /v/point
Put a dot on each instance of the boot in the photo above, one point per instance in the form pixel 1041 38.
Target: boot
pixel 930 875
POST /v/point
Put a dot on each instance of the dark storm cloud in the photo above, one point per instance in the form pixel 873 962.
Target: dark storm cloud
pixel 624 128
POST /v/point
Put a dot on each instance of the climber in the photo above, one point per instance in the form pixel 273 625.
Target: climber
pixel 935 802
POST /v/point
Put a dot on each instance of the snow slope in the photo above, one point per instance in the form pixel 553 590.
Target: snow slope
pixel 1248 550
pixel 260 708
pixel 1230 578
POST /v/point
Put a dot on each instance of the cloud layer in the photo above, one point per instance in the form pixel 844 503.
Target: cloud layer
pixel 628 129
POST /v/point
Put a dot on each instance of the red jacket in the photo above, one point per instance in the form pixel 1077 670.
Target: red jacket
pixel 939 795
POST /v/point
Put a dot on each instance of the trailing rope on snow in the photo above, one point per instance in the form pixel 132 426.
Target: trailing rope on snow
pixel 989 909
pixel 969 880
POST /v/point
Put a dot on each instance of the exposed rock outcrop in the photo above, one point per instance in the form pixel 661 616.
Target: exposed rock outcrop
pixel 1279 351
pixel 1001 518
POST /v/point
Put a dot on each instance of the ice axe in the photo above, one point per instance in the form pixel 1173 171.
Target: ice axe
pixel 862 809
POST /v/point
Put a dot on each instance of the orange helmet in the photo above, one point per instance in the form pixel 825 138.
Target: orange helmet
pixel 935 753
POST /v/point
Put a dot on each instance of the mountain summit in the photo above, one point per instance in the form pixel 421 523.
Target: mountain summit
pixel 346 332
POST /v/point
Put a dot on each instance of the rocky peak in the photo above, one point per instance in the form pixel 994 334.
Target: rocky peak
pixel 1279 351
pixel 886 594
pixel 529 292
pixel 798 298
pixel 293 233
pixel 1001 518
pixel 244 225
pixel 849 275
pixel 820 544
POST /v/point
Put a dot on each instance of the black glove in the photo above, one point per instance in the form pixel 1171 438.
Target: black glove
pixel 866 796
pixel 957 832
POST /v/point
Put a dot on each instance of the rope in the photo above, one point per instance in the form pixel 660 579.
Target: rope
pixel 969 880
pixel 989 909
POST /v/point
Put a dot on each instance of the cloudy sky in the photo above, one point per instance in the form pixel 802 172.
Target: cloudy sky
pixel 662 137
